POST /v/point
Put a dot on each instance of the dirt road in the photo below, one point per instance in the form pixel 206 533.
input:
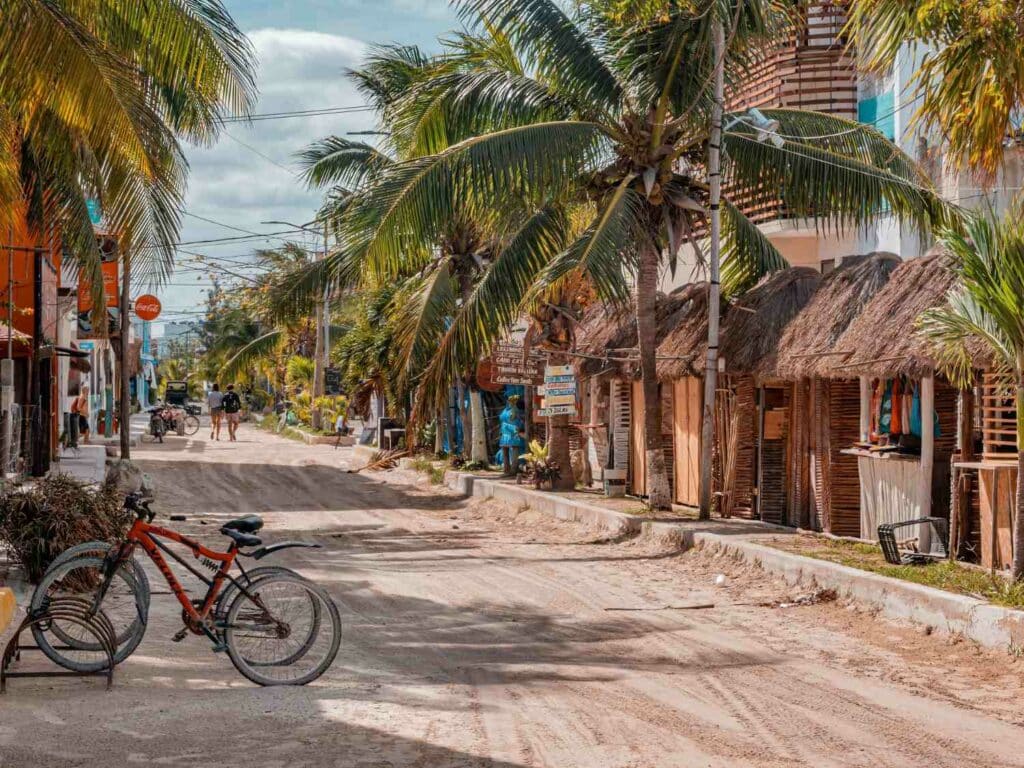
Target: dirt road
pixel 477 635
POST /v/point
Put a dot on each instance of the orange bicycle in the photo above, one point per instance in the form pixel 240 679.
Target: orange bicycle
pixel 277 627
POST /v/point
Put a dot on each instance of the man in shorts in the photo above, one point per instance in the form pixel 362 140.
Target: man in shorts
pixel 215 401
pixel 232 405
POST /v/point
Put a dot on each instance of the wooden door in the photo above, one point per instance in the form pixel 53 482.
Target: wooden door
pixel 687 396
pixel 637 443
pixel 619 408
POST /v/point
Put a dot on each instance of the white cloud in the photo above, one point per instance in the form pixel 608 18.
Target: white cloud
pixel 298 70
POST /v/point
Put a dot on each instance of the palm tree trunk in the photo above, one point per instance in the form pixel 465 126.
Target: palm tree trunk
pixel 558 441
pixel 478 446
pixel 658 495
pixel 1018 518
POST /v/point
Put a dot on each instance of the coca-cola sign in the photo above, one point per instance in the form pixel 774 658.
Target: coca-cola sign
pixel 147 307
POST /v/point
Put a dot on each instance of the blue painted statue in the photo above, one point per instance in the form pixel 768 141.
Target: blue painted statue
pixel 510 441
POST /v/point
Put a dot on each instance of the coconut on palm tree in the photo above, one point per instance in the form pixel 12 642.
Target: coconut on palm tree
pixel 984 314
pixel 611 114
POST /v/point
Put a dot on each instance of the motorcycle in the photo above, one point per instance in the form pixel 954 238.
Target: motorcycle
pixel 157 425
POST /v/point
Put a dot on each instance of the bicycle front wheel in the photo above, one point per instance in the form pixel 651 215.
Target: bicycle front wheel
pixel 191 424
pixel 125 605
pixel 285 631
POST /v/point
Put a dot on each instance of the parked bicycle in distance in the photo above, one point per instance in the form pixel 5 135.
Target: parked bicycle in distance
pixel 277 627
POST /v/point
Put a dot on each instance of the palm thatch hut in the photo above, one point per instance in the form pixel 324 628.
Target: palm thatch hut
pixel 608 366
pixel 907 414
pixel 751 327
pixel 822 490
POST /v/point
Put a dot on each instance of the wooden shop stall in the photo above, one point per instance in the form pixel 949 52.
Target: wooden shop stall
pixel 607 361
pixel 822 486
pixel 749 451
pixel 907 412
pixel 984 484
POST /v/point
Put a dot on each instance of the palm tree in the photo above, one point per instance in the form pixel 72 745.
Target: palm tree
pixel 94 95
pixel 437 278
pixel 984 312
pixel 611 114
pixel 971 76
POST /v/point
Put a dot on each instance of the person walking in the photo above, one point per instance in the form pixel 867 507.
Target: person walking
pixel 80 408
pixel 215 401
pixel 232 405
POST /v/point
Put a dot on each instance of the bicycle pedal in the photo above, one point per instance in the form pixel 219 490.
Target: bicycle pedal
pixel 180 635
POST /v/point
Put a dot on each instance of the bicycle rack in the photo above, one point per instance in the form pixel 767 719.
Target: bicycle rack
pixel 71 610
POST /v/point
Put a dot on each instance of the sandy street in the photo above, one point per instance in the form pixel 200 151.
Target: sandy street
pixel 478 635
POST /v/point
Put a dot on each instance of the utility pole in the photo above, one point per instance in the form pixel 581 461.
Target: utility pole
pixel 124 410
pixel 714 289
pixel 7 369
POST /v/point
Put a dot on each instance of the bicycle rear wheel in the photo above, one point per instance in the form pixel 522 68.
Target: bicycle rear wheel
pixel 287 633
pixel 191 424
pixel 125 605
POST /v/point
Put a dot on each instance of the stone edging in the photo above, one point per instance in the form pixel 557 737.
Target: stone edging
pixel 988 625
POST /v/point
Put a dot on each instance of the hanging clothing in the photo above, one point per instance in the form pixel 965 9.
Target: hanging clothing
pixel 915 415
pixel 896 423
pixel 885 413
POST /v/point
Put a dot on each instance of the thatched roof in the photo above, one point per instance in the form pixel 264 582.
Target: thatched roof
pixel 882 339
pixel 750 329
pixel 607 334
pixel 685 335
pixel 840 298
pixel 754 323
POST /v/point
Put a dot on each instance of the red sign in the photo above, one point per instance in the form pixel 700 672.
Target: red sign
pixel 109 269
pixel 147 307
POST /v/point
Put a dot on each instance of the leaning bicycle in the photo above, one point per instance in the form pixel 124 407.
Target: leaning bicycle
pixel 277 627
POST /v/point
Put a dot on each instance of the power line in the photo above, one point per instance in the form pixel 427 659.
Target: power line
pixel 296 113
pixel 260 154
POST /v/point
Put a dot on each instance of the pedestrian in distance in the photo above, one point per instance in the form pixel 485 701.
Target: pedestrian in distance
pixel 232 405
pixel 80 408
pixel 215 401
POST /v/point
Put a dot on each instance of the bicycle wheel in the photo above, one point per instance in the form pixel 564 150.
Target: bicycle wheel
pixel 125 606
pixel 302 645
pixel 270 636
pixel 97 549
pixel 191 424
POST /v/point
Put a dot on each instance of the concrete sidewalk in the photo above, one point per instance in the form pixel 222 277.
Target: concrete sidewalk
pixel 87 463
pixel 988 625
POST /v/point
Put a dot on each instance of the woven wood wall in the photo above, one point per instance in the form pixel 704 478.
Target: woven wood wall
pixel 746 454
pixel 619 400
pixel 840 503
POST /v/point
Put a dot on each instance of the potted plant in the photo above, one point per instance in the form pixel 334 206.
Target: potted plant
pixel 541 469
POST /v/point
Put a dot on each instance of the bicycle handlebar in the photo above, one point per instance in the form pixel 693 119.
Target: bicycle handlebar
pixel 139 503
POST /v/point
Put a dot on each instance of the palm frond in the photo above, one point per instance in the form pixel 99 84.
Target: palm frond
pixel 336 160
pixel 747 255
pixel 260 348
pixel 554 46
pixel 413 201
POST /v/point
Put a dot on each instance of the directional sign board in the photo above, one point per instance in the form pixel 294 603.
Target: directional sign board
pixel 559 391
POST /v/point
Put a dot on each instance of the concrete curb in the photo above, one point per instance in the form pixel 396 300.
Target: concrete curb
pixel 988 625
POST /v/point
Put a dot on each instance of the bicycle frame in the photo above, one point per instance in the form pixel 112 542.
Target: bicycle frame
pixel 148 536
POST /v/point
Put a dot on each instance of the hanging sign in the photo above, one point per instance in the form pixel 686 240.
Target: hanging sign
pixel 557 410
pixel 147 307
pixel 510 367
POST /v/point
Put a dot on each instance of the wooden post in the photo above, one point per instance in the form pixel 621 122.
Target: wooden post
pixel 927 455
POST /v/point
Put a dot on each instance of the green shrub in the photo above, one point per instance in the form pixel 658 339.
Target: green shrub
pixel 56 513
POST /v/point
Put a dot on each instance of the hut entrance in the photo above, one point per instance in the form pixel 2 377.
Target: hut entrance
pixel 772 474
pixel 687 396
pixel 637 437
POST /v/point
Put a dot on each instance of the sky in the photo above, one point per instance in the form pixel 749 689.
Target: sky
pixel 304 48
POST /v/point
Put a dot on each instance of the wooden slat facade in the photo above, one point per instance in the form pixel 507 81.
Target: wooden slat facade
pixel 998 419
pixel 811 70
